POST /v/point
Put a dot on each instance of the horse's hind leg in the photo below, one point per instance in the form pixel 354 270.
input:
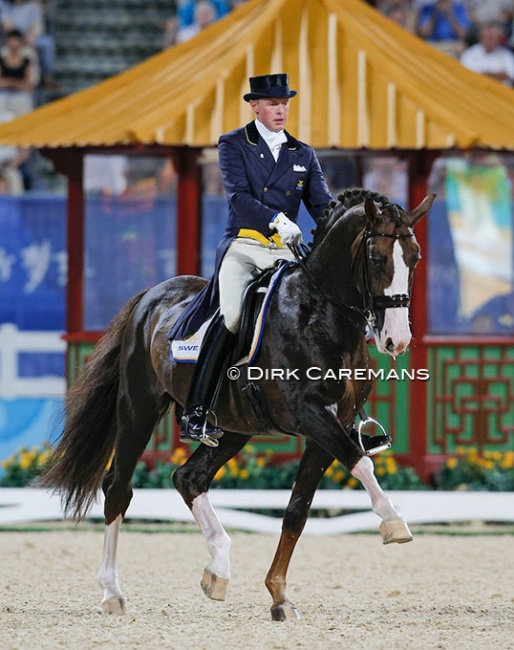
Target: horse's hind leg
pixel 192 481
pixel 113 601
pixel 393 527
pixel 314 464
pixel 136 422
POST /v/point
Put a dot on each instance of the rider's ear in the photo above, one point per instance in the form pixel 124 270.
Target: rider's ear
pixel 422 209
pixel 370 210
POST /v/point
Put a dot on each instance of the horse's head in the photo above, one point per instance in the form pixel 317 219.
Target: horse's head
pixel 385 255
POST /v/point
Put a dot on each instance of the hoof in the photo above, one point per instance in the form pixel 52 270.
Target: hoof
pixel 213 586
pixel 285 612
pixel 395 531
pixel 115 606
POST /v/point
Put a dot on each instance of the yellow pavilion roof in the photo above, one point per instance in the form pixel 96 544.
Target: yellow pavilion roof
pixel 362 81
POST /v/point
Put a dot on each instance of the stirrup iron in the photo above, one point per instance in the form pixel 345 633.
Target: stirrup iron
pixel 384 437
pixel 209 438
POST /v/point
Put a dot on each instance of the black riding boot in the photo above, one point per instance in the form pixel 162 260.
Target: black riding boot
pixel 208 376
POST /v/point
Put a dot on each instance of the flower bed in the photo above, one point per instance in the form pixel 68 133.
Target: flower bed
pixel 252 469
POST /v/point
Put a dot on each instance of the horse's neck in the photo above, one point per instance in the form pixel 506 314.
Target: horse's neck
pixel 331 261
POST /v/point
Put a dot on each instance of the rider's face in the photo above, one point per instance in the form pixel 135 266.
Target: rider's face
pixel 273 113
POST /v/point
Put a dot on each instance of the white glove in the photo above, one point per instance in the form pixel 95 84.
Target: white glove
pixel 287 229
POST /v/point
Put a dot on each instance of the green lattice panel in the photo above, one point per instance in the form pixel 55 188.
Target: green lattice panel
pixel 471 398
pixel 77 355
pixel 389 400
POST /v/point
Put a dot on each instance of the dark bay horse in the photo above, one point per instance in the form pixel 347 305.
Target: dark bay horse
pixel 359 270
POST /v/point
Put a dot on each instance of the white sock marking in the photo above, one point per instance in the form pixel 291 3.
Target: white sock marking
pixel 218 541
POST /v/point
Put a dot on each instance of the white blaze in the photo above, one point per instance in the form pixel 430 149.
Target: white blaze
pixel 396 320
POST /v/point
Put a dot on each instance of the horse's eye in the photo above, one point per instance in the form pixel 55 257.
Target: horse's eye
pixel 378 260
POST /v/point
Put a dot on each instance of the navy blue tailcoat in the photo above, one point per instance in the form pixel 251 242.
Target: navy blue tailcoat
pixel 257 188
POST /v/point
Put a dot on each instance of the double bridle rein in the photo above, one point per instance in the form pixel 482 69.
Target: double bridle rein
pixel 374 306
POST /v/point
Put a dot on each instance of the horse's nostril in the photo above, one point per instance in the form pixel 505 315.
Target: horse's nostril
pixel 389 344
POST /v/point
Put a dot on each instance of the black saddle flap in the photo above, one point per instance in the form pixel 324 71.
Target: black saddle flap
pixel 252 302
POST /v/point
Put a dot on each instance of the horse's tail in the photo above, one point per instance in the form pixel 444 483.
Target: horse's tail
pixel 88 436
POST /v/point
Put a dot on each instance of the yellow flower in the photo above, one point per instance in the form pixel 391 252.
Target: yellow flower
pixel 261 462
pixel 352 483
pixel 219 474
pixel 451 463
pixel 25 460
pixel 390 465
pixel 44 457
pixel 232 465
pixel 507 461
pixel 244 474
pixel 338 475
pixel 178 456
pixel 472 454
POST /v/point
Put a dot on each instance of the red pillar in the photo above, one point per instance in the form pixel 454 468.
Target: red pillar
pixel 420 164
pixel 189 210
pixel 69 161
pixel 75 244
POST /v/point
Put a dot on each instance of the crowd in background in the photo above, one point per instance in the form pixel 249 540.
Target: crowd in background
pixel 477 32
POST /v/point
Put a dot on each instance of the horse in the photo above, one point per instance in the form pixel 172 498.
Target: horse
pixel 358 272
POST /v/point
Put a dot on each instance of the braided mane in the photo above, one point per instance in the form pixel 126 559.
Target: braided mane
pixel 346 200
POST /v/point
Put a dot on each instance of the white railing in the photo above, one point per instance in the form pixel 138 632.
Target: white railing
pixel 234 508
pixel 12 343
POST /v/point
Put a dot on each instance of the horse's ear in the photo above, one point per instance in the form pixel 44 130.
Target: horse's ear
pixel 422 209
pixel 370 210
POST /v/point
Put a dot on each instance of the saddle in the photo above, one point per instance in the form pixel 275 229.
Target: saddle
pixel 253 315
pixel 253 301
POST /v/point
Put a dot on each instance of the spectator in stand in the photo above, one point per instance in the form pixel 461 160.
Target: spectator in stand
pixel 400 12
pixel 186 11
pixel 185 25
pixel 16 77
pixel 27 17
pixel 445 24
pixel 13 168
pixel 490 56
pixel 492 11
pixel 205 15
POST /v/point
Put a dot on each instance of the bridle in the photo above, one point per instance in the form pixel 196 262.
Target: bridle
pixel 372 315
pixel 374 306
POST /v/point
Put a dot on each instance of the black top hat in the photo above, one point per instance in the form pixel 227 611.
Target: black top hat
pixel 269 86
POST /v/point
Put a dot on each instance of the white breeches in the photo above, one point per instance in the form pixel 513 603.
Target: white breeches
pixel 244 260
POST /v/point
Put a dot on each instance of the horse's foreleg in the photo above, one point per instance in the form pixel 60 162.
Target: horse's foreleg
pixel 314 464
pixel 393 527
pixel 113 601
pixel 192 480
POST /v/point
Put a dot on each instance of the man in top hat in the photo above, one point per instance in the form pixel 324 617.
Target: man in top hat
pixel 266 174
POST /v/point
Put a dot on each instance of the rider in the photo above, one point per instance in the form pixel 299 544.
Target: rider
pixel 266 174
